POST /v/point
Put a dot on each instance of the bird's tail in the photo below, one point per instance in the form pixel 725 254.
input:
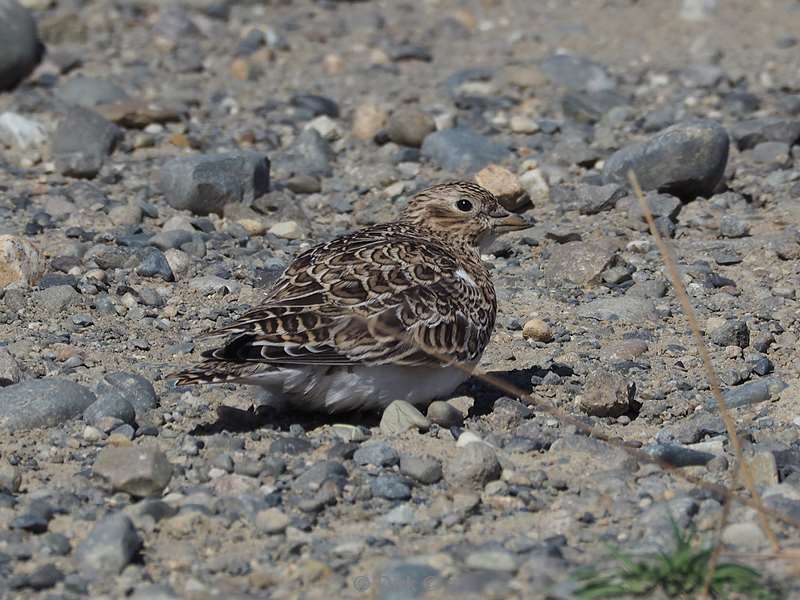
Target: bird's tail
pixel 216 371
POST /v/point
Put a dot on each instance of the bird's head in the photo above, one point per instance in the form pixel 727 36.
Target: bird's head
pixel 463 211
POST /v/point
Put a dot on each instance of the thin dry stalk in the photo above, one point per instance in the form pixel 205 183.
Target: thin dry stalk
pixel 716 389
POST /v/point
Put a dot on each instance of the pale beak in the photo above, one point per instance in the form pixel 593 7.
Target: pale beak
pixel 504 223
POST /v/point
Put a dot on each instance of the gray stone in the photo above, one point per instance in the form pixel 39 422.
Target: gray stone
pixel 660 205
pixel 678 456
pixel 581 263
pixel 474 466
pixel 41 403
pixel 205 183
pixel 750 393
pixel 703 76
pixel 89 92
pixel 82 142
pixel 696 427
pixel 424 469
pixel 686 160
pixel 310 154
pixel 137 471
pixel 748 134
pixel 154 591
pixel 377 453
pixel 313 477
pixel 20 48
pixel 110 406
pixel 462 150
pixel 154 264
pixel 57 298
pixel 625 309
pixel 400 581
pixel 109 547
pixel 606 394
pixel 730 333
pixel 400 416
pixel 772 153
pixel 444 414
pixel 10 371
pixel 731 226
pixel 10 478
pixel 577 73
pixel 587 199
pixel 390 487
pixel 175 238
pixel 590 107
pixel 409 127
pixel 131 387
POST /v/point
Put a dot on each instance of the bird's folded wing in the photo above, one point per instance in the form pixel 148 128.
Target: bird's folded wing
pixel 365 302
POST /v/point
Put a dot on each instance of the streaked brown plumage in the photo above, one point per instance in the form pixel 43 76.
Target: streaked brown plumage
pixel 338 307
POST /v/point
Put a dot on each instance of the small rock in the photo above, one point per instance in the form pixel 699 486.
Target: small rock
pixel 21 265
pixel 304 184
pixel 10 371
pixel 178 261
pixel 587 199
pixel 110 406
pixel 326 127
pixel 763 468
pixel 272 521
pixel 679 456
pixel 536 186
pixel 624 309
pixel 310 154
pixel 746 536
pixel 390 487
pixel 82 142
pixel 698 10
pixel 444 414
pixel 537 330
pixel 750 393
pixel 16 130
pixel 137 471
pixel 733 227
pixel 109 547
pixel 89 92
pixel 582 263
pixel 424 469
pixel 41 403
pixel 409 127
pixel 748 134
pixel 368 119
pixel 20 48
pixel 686 160
pixel 57 298
pixel 130 387
pixel 378 454
pixel 204 183
pixel 504 185
pixel 289 230
pixel 10 478
pixel 577 73
pixel 774 154
pixel 728 332
pixel 400 416
pixel 462 150
pixel 606 394
pixel 491 560
pixel 474 466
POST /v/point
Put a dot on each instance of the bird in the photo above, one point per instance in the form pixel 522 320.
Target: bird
pixel 401 310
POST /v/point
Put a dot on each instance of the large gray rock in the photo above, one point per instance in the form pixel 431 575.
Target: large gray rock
pixel 462 150
pixel 205 183
pixel 109 547
pixel 42 403
pixel 135 470
pixel 130 387
pixel 686 160
pixel 82 142
pixel 20 48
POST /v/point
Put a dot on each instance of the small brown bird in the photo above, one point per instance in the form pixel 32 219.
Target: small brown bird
pixel 378 315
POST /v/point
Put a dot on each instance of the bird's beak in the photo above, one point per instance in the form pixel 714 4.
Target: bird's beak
pixel 505 221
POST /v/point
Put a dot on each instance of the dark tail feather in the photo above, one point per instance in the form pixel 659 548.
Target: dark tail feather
pixel 213 370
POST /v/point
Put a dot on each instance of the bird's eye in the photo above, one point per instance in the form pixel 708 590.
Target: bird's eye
pixel 464 205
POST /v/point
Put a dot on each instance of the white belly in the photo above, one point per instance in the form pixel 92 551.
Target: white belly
pixel 342 389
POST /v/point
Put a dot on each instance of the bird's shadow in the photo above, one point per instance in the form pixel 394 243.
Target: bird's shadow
pixel 239 420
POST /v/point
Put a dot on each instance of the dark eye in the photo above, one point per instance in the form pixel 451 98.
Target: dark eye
pixel 464 205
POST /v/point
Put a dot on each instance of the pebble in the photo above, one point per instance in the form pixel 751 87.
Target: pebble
pixel 750 133
pixel 19 131
pixel 577 73
pixel 401 416
pixel 462 150
pixel 310 154
pixel 138 471
pixel 504 185
pixel 89 92
pixel 606 394
pixel 587 199
pixel 129 387
pixel 155 264
pixel 444 414
pixel 750 393
pixel 289 230
pixel 390 487
pixel 686 160
pixel 409 127
pixel 725 332
pixel 205 183
pixel 537 330
pixel 745 536
pixel 425 469
pixel 535 184
pixel 679 456
pixel 473 467
pixel 21 264
pixel 272 521
pixel 110 406
pixel 10 478
pixel 623 309
pixel 57 298
pixel 20 48
pixel 41 403
pixel 774 154
pixel 110 546
pixel 369 118
pixel 378 454
pixel 581 263
pixel 82 142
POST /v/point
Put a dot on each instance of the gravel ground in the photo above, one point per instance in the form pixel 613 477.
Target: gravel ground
pixel 162 163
